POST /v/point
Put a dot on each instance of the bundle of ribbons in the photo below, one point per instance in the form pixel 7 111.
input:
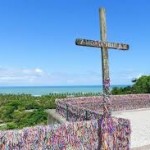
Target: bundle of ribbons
pixel 84 108
pixel 104 134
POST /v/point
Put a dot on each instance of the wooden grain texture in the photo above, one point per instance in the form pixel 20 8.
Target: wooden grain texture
pixel 104 51
pixel 100 44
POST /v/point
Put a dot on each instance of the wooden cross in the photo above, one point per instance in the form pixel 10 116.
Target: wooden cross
pixel 104 45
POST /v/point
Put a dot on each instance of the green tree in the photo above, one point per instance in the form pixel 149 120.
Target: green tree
pixel 141 85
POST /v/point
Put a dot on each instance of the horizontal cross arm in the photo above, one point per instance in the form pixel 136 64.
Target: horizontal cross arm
pixel 100 44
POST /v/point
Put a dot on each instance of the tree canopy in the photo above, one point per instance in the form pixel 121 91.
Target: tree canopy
pixel 140 85
pixel 24 110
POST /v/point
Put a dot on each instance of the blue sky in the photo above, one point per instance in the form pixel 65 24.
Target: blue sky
pixel 37 41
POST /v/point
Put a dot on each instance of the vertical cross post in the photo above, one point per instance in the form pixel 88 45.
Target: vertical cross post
pixel 104 45
pixel 105 63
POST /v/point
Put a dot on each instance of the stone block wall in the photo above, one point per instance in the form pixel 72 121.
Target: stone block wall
pixel 86 108
pixel 108 134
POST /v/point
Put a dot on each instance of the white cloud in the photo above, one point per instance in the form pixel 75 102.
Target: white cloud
pixel 125 76
pixel 88 77
pixel 38 70
pixel 35 71
pixel 139 75
pixel 37 76
pixel 21 76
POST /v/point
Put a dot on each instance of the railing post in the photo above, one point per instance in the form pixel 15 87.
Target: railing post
pixel 86 115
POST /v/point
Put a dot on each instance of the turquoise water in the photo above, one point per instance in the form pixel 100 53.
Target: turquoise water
pixel 43 90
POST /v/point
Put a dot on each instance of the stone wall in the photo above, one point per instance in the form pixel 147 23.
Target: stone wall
pixel 108 134
pixel 86 108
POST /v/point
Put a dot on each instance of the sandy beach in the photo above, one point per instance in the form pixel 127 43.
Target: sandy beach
pixel 140 126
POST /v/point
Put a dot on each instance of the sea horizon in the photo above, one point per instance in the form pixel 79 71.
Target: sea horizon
pixel 45 90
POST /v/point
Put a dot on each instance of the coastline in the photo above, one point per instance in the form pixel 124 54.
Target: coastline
pixel 44 90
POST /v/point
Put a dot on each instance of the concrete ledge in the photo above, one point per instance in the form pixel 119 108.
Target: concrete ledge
pixel 146 147
pixel 57 117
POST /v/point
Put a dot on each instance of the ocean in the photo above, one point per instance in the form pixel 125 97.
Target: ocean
pixel 44 90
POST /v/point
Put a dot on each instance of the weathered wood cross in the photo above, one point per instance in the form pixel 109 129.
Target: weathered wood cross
pixel 104 45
